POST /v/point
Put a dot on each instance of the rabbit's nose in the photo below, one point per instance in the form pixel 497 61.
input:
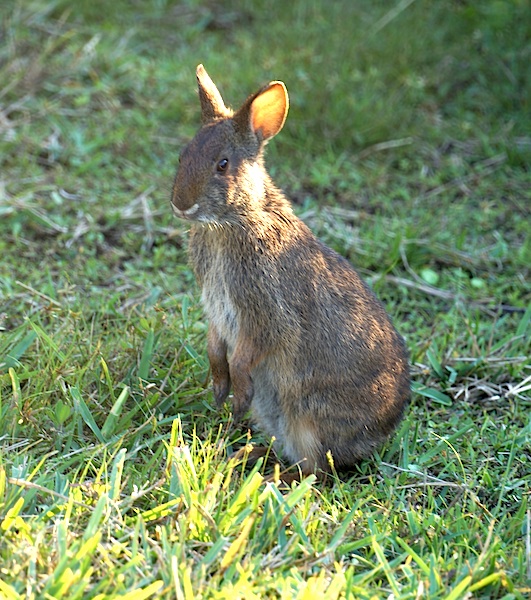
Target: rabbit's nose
pixel 181 200
pixel 183 195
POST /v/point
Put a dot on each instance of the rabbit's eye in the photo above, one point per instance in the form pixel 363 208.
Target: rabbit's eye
pixel 222 165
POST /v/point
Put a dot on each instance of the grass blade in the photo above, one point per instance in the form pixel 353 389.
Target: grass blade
pixel 85 413
pixel 147 355
pixel 142 594
pixel 8 593
pixel 12 356
pixel 116 474
pixel 524 322
pixel 459 589
pixel 109 427
pixel 238 544
pixel 49 341
pixel 94 525
pixel 378 550
pixel 435 395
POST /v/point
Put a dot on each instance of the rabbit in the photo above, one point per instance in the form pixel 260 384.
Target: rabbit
pixel 304 343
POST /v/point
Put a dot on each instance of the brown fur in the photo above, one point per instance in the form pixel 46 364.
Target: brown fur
pixel 296 333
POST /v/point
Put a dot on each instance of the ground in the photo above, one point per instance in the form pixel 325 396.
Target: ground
pixel 407 149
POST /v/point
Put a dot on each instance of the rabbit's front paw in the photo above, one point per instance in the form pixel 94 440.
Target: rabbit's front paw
pixel 241 401
pixel 221 389
pixel 217 356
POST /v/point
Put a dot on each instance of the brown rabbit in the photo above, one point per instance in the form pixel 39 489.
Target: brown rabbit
pixel 303 341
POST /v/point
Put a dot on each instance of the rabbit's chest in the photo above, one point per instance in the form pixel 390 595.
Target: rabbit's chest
pixel 219 305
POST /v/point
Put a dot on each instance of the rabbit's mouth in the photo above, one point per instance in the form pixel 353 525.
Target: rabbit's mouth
pixel 185 214
pixel 194 213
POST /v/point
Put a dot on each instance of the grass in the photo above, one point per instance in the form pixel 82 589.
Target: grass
pixel 407 149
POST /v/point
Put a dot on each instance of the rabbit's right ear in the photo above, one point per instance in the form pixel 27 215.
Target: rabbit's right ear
pixel 212 105
pixel 264 113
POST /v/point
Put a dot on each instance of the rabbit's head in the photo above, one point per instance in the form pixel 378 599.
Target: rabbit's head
pixel 221 175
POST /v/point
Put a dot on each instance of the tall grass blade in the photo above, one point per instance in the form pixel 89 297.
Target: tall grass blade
pixel 147 355
pixel 109 427
pixel 116 474
pixel 389 573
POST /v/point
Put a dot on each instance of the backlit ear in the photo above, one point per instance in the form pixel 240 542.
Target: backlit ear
pixel 212 105
pixel 269 109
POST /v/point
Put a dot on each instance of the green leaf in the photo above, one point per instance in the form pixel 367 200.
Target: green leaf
pixel 430 276
pixel 434 362
pixel 13 355
pixel 431 393
pixel 62 412
pixel 477 282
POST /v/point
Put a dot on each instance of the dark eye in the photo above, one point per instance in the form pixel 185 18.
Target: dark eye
pixel 222 165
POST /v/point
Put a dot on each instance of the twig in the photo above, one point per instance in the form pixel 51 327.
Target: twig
pixel 406 264
pixel 434 480
pixel 446 295
pixel 37 293
pixel 128 501
pixel 528 544
pixel 390 16
pixel 148 219
pixel 390 144
pixel 423 287
pixel 491 360
pixel 35 486
pixel 431 484
pixel 491 164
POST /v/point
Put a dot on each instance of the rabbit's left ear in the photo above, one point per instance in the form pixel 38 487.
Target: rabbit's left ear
pixel 266 111
pixel 212 105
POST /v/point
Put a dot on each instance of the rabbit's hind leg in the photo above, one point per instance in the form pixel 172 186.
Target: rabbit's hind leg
pixel 303 446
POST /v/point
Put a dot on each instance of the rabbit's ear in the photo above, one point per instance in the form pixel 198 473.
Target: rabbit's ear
pixel 265 112
pixel 212 105
pixel 269 110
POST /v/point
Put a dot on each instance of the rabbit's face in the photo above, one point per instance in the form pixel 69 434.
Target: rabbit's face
pixel 218 176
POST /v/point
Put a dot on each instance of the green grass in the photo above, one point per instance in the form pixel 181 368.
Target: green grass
pixel 407 149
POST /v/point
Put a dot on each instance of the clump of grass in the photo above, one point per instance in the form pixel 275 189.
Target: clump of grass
pixel 406 151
